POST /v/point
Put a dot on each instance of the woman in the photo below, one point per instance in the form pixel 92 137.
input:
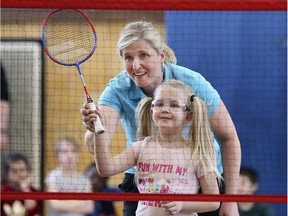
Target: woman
pixel 148 62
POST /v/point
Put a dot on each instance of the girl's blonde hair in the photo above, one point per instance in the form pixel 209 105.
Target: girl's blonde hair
pixel 143 30
pixel 200 133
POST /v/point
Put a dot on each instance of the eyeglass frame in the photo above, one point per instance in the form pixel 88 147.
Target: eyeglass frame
pixel 180 104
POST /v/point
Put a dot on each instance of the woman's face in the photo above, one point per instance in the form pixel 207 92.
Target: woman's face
pixel 144 65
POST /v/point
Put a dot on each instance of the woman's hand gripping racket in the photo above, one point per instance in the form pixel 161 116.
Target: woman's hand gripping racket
pixel 69 39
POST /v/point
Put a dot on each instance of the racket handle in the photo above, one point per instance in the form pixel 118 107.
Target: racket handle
pixel 98 127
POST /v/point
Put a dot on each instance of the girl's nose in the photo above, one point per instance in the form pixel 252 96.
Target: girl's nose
pixel 165 109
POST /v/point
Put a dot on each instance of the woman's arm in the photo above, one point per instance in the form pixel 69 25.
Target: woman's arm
pixel 224 129
pixel 111 117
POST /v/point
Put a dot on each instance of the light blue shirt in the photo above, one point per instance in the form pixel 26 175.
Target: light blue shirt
pixel 123 95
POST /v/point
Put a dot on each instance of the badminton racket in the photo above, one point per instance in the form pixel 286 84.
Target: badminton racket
pixel 69 39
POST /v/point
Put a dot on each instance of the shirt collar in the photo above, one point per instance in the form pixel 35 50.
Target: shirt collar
pixel 135 92
pixel 167 72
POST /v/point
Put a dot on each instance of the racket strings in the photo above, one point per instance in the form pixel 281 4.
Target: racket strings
pixel 69 36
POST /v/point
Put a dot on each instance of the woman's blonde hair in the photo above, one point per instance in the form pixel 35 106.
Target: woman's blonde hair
pixel 200 132
pixel 143 30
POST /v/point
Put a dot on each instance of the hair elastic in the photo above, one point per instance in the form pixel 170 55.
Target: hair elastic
pixel 192 98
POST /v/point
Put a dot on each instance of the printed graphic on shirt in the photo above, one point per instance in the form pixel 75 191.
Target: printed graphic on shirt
pixel 174 181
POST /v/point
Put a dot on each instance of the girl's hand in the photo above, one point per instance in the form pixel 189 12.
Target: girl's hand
pixel 172 208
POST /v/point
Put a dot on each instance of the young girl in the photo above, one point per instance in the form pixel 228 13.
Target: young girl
pixel 168 162
pixel 17 178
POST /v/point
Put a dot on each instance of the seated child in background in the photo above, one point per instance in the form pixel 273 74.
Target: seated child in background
pixel 16 177
pixel 99 184
pixel 66 178
pixel 248 184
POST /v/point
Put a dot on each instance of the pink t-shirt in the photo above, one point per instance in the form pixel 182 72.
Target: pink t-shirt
pixel 164 170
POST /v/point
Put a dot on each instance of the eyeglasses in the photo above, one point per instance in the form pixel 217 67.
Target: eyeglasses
pixel 172 105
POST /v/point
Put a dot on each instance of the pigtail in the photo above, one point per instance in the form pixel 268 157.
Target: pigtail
pixel 144 118
pixel 202 137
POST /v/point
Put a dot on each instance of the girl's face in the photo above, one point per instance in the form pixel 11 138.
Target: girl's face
pixel 168 109
pixel 68 156
pixel 18 172
pixel 144 65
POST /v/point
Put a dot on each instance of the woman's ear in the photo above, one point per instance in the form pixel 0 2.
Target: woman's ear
pixel 163 55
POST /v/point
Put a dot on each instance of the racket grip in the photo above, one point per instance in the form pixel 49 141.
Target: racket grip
pixel 98 127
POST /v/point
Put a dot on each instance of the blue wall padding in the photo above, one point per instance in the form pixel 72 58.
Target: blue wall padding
pixel 244 56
